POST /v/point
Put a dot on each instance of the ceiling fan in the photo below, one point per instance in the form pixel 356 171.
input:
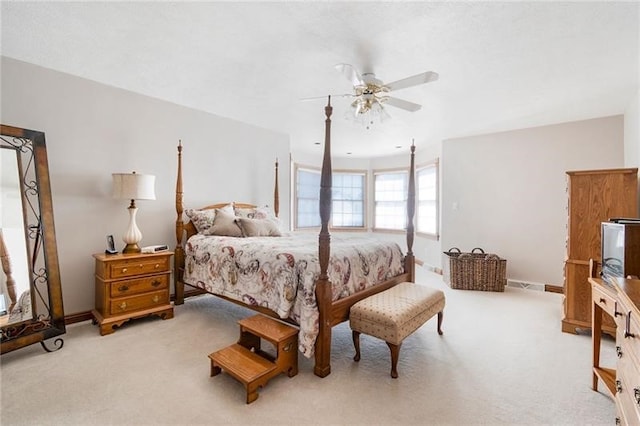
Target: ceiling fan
pixel 370 93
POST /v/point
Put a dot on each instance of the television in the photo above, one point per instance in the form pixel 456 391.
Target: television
pixel 620 249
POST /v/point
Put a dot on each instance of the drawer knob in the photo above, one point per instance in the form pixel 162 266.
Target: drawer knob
pixel 618 386
pixel 155 283
pixel 124 270
pixel 123 288
pixel 156 298
pixel 140 266
pixel 123 305
pixel 603 301
pixel 157 265
pixel 619 351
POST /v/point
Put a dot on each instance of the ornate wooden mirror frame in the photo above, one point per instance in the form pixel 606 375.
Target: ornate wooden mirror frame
pixel 44 297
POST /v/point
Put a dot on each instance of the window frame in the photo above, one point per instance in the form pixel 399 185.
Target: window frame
pixel 365 199
pixel 435 164
pixel 376 172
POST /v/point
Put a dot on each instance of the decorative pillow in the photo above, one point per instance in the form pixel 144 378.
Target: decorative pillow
pixel 228 208
pixel 258 227
pixel 245 212
pixel 255 213
pixel 265 213
pixel 201 219
pixel 224 224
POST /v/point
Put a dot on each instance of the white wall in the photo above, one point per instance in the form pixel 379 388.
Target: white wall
pixel 506 192
pixel 632 132
pixel 93 130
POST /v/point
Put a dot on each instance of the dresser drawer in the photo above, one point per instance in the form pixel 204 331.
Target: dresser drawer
pixel 628 335
pixel 605 300
pixel 627 398
pixel 138 303
pixel 627 365
pixel 620 413
pixel 140 285
pixel 133 267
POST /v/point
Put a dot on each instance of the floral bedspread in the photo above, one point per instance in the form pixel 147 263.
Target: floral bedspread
pixel 280 273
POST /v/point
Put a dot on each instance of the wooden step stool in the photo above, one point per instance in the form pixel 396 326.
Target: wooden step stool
pixel 248 363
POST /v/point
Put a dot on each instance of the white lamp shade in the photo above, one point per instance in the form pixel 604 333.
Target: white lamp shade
pixel 133 186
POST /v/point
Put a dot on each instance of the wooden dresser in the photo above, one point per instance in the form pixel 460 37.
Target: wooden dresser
pixel 131 286
pixel 620 301
pixel 594 196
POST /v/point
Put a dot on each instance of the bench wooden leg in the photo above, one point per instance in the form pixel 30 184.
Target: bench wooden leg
pixel 356 343
pixel 395 354
pixel 440 315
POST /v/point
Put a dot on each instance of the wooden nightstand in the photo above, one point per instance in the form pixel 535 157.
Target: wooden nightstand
pixel 131 286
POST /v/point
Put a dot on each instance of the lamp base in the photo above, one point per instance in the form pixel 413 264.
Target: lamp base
pixel 132 248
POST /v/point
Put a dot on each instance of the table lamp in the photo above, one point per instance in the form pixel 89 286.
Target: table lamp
pixel 133 186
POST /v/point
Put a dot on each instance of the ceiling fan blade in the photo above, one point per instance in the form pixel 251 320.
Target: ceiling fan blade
pixel 342 95
pixel 402 104
pixel 425 77
pixel 350 73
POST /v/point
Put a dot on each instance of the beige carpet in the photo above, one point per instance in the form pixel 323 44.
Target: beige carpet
pixel 501 361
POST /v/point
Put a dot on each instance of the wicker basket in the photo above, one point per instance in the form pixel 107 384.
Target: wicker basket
pixel 476 270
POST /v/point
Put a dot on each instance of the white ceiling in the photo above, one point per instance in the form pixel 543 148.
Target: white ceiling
pixel 502 65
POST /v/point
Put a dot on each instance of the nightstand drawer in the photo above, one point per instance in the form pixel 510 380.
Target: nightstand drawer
pixel 139 266
pixel 137 303
pixel 137 286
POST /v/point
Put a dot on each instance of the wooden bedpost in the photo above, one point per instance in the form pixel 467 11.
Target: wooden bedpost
pixel 178 256
pixel 323 286
pixel 409 260
pixel 276 194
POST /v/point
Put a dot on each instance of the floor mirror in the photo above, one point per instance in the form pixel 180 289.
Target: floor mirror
pixel 31 308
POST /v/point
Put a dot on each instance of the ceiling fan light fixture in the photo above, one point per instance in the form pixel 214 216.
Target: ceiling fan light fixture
pixel 368 113
pixel 371 93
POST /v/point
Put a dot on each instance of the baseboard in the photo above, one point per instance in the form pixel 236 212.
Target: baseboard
pixel 431 268
pixel 88 316
pixel 78 317
pixel 551 288
pixel 527 285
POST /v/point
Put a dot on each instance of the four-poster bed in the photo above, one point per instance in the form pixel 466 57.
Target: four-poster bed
pixel 332 302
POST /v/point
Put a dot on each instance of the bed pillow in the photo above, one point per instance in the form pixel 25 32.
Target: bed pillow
pixel 201 219
pixel 258 227
pixel 229 208
pixel 224 224
pixel 264 212
pixel 244 212
pixel 255 212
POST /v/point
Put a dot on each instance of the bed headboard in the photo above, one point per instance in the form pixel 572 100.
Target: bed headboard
pixel 188 228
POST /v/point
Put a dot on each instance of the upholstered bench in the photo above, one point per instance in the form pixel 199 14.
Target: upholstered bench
pixel 394 314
